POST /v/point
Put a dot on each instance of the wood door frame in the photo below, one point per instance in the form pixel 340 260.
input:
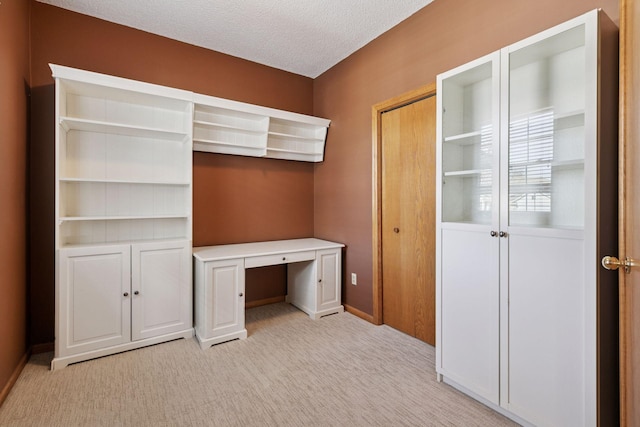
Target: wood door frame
pixel 376 132
pixel 628 107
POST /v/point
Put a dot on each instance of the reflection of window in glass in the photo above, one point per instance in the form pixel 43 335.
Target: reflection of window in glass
pixel 484 180
pixel 530 155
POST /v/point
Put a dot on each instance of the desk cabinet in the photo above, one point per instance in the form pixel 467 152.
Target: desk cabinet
pixel 324 297
pixel 314 271
pixel 219 301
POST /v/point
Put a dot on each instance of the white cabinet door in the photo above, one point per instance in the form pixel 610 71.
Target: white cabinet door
pixel 329 271
pixel 93 300
pixel 315 287
pixel 551 164
pixel 469 313
pixel 161 288
pixel 546 346
pixel 467 218
pixel 224 298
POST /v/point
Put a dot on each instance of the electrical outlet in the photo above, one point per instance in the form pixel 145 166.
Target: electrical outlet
pixel 354 279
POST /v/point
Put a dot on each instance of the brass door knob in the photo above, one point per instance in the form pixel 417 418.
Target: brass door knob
pixel 613 263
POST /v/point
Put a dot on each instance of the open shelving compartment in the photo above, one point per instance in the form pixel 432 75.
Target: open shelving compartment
pixel 231 127
pixel 123 169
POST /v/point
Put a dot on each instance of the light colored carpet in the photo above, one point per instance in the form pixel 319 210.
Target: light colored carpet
pixel 290 371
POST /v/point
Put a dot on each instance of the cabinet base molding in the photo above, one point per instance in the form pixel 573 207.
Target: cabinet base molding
pixel 485 402
pixel 208 342
pixel 315 315
pixel 61 362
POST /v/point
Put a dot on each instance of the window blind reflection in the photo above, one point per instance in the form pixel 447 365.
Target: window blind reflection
pixel 530 156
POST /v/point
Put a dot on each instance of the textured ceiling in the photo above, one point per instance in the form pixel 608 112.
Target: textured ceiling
pixel 305 37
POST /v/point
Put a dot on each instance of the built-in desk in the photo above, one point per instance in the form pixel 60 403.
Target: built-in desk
pixel 314 271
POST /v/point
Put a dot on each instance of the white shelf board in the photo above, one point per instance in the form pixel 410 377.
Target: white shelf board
pixel 123 181
pixel 119 217
pixel 283 150
pixel 569 119
pixel 560 164
pixel 70 123
pixel 228 127
pixel 467 138
pixel 296 137
pixel 227 144
pixel 568 164
pixel 464 173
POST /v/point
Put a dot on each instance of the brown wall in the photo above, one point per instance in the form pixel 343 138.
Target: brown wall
pixel 236 199
pixel 242 199
pixel 14 87
pixel 443 35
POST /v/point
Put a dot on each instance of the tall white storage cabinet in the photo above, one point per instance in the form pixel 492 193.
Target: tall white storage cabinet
pixel 123 215
pixel 527 206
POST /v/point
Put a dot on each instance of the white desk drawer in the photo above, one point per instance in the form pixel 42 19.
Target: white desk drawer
pixel 261 261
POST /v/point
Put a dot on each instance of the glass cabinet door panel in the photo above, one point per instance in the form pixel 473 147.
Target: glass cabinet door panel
pixel 467 145
pixel 546 132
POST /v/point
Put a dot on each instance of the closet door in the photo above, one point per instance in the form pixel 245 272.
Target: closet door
pixel 408 218
pixel 467 259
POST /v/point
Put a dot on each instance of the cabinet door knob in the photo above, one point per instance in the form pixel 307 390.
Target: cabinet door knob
pixel 503 234
pixel 136 293
pixel 396 230
pixel 241 294
pixel 284 258
pixel 319 280
pixel 126 294
pixel 494 233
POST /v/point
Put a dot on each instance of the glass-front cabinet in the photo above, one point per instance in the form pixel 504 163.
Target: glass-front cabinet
pixel 526 206
pixel 467 211
pixel 546 131
pixel 469 114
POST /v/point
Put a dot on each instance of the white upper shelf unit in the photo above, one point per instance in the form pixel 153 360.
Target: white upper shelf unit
pixel 231 127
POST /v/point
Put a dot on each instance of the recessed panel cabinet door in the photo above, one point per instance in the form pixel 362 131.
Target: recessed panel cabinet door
pixel 470 311
pixel 329 271
pixel 161 288
pixel 93 299
pixel 224 293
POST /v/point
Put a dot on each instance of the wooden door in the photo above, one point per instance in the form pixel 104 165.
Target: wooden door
pixel 629 212
pixel 408 218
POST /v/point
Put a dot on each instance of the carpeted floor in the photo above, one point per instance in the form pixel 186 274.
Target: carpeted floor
pixel 290 371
